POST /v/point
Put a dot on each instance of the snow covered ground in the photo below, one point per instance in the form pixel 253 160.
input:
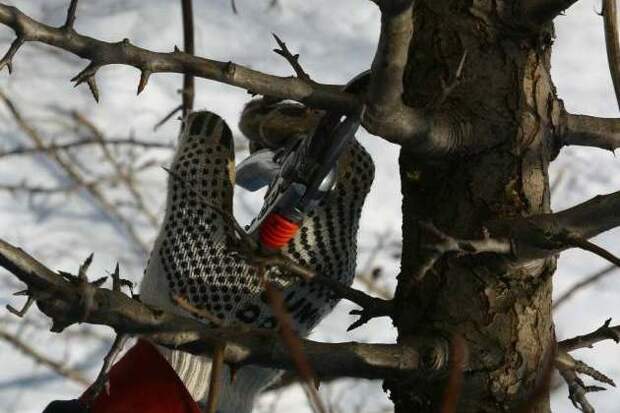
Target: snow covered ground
pixel 336 40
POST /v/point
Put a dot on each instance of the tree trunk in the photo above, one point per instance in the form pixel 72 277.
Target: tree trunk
pixel 502 311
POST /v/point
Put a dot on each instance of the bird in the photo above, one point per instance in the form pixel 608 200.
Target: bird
pixel 195 261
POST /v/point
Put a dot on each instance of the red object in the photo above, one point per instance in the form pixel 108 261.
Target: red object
pixel 143 381
pixel 276 231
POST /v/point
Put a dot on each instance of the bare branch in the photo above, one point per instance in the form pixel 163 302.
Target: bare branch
pixel 101 53
pixel 577 390
pixel 524 239
pixel 188 46
pixel 101 382
pixel 583 130
pixel 55 147
pixel 540 236
pixel 592 279
pixel 543 11
pixel 7 60
pixel 569 369
pixel 168 117
pixel 438 244
pixel 40 358
pixel 59 298
pixel 605 332
pixel 124 175
pixel 108 208
pixel 419 130
pixel 71 15
pixel 612 43
pixel 292 59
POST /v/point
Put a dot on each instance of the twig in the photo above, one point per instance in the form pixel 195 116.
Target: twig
pixel 439 244
pixel 55 147
pixel 586 282
pixel 124 176
pixel 569 369
pixel 200 312
pixel 101 382
pixel 605 332
pixel 188 47
pixel 167 117
pixel 104 205
pixel 292 59
pixel 39 358
pixel 215 381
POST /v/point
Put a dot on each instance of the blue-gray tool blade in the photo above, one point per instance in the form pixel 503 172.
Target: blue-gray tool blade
pixel 257 170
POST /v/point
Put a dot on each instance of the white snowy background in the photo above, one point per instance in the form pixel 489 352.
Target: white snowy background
pixel 336 40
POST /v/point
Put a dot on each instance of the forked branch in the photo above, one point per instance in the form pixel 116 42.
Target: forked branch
pixel 63 300
pixel 540 236
pixel 570 368
pixel 525 239
pixel 426 131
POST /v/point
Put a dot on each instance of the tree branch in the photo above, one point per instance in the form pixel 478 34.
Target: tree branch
pixel 524 239
pixel 55 147
pixel 543 11
pixel 540 236
pixel 570 368
pixel 62 299
pixel 188 39
pixel 76 176
pixel 421 130
pixel 39 358
pixel 583 130
pixel 101 53
pixel 612 43
pixel 592 279
pixel 605 332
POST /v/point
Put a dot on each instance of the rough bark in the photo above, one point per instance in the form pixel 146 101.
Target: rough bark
pixel 502 310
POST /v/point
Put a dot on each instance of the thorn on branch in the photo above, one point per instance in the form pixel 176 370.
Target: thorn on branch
pixel 88 289
pixel 88 75
pixel 447 87
pixel 144 79
pixel 7 60
pixel 118 283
